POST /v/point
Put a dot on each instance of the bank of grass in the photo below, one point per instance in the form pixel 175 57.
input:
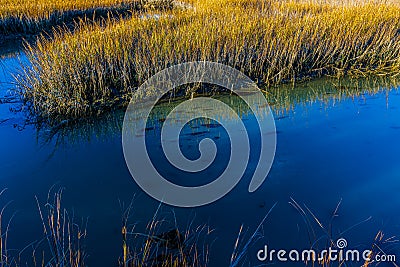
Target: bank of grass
pixel 163 243
pixel 30 17
pixel 97 68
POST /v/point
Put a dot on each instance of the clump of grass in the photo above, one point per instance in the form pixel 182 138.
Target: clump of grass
pixel 242 246
pixel 380 244
pixel 6 259
pixel 29 17
pixel 157 4
pixel 98 68
pixel 63 245
pixel 65 238
pixel 163 244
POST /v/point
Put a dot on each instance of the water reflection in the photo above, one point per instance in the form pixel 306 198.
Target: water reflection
pixel 336 140
pixel 282 100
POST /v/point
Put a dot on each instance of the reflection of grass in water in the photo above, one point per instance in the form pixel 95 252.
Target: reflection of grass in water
pixel 328 91
pixel 86 72
pixel 281 99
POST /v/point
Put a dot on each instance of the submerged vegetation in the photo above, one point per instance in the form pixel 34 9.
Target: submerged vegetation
pixel 98 67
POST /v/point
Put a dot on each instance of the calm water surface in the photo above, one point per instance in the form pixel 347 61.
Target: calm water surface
pixel 332 146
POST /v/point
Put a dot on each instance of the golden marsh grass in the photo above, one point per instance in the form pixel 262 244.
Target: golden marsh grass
pixel 98 67
pixel 28 17
pixel 44 8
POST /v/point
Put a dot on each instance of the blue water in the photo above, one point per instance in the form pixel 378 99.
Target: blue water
pixel 327 152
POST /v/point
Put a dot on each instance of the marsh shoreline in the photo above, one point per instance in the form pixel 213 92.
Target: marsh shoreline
pixel 98 67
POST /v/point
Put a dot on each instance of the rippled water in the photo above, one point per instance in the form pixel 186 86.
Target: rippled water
pixel 335 143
